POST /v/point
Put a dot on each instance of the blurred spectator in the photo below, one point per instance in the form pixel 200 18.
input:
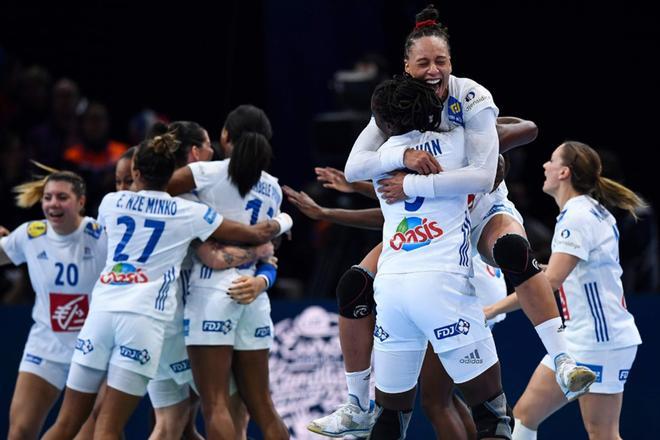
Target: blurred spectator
pixel 48 141
pixel 638 243
pixel 94 157
pixel 353 87
pixel 140 124
pixel 31 100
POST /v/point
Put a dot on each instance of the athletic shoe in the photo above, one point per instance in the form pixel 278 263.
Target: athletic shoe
pixel 348 419
pixel 574 380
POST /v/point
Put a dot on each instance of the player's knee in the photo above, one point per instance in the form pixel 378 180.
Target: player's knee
pixel 355 293
pixel 390 424
pixel 493 418
pixel 22 431
pixel 514 256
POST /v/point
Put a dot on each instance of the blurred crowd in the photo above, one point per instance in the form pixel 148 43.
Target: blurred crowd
pixel 52 121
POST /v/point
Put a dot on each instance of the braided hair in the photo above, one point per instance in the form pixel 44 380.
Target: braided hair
pixel 426 25
pixel 404 104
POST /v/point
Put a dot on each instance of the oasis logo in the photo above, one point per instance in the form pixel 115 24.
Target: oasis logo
pixel 413 233
pixel 223 327
pixel 142 356
pixel 124 273
pixel 461 327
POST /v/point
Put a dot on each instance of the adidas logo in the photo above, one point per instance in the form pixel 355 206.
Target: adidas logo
pixel 472 358
pixel 42 256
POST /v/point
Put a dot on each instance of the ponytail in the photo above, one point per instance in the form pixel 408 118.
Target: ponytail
pixel 251 155
pixel 611 193
pixel 29 194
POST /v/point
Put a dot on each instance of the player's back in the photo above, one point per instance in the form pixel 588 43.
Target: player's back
pixel 148 237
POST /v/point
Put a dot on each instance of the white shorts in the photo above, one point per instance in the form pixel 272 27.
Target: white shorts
pixel 398 371
pixel 174 363
pixel 611 367
pixel 55 373
pixel 488 283
pixel 487 206
pixel 415 308
pixel 127 340
pixel 166 392
pixel 213 318
pixel 43 342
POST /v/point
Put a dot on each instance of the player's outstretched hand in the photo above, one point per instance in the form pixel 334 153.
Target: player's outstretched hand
pixel 334 179
pixel 303 202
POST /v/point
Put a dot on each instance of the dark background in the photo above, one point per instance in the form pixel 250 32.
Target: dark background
pixel 580 70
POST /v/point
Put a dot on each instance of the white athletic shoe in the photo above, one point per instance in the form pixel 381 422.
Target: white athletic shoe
pixel 574 380
pixel 348 419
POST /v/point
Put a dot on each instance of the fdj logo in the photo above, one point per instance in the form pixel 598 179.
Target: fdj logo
pixel 623 374
pixel 180 367
pixel 223 327
pixel 459 328
pixel 380 333
pixel 414 232
pixel 262 332
pixel 84 345
pixel 142 356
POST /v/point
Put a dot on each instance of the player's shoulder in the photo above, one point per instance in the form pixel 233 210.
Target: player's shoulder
pixel 92 228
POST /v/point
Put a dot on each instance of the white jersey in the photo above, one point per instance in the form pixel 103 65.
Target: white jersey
pixel 63 270
pixel 593 305
pixel 430 234
pixel 465 99
pixel 214 187
pixel 148 236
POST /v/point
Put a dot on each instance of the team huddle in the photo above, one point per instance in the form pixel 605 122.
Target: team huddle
pixel 165 291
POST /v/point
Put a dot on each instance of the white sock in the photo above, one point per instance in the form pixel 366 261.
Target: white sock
pixel 358 387
pixel 551 333
pixel 522 432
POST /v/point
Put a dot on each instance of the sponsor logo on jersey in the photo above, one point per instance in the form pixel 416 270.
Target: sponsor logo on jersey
pixel 87 253
pixel 470 96
pixel 93 229
pixel 472 358
pixel 380 333
pixel 186 327
pixel 495 272
pixel 124 273
pixel 142 356
pixel 181 366
pixel 472 102
pixel 598 369
pixel 565 233
pixel 414 232
pixel 455 111
pixel 223 327
pixel 210 216
pixel 36 229
pixel 623 374
pixel 33 359
pixel 68 311
pixel 84 345
pixel 461 327
pixel 42 256
pixel 262 332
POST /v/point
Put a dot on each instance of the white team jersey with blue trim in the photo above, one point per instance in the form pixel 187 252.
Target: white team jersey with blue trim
pixel 63 270
pixel 148 236
pixel 214 188
pixel 465 99
pixel 593 304
pixel 427 234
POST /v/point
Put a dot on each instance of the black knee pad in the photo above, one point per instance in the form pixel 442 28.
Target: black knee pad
pixel 390 424
pixel 355 293
pixel 493 418
pixel 513 255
